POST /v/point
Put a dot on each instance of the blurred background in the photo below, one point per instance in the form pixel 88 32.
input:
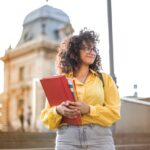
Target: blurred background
pixel 30 32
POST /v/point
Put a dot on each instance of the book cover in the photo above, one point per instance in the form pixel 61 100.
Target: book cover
pixel 57 90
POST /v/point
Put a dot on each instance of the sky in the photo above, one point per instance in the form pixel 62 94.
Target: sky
pixel 130 34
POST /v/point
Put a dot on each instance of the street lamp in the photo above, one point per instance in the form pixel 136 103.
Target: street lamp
pixel 111 56
pixel 110 32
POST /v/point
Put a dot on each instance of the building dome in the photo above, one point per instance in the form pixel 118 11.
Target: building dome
pixel 46 11
pixel 46 21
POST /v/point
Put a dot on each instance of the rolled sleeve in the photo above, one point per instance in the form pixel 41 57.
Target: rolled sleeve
pixel 50 118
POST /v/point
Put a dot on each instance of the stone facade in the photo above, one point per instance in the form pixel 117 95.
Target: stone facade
pixel 32 59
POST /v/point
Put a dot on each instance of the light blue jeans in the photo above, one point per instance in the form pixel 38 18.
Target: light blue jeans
pixel 86 137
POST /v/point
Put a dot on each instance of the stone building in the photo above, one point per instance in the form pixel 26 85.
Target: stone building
pixel 33 58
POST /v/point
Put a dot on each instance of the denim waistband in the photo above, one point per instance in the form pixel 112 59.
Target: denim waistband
pixel 84 125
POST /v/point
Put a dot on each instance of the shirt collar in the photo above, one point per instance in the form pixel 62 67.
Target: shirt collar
pixel 70 75
pixel 93 72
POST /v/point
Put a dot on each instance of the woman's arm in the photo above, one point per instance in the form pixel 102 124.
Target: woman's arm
pixel 52 116
pixel 109 113
pixel 49 116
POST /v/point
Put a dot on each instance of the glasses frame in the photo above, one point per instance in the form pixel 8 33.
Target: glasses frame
pixel 88 50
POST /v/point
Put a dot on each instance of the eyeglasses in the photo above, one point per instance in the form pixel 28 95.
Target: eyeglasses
pixel 88 49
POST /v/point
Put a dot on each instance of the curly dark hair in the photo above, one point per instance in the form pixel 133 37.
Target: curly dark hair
pixel 68 57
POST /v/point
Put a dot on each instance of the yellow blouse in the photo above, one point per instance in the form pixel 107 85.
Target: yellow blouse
pixel 104 102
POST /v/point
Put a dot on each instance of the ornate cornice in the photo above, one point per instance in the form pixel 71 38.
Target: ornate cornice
pixel 41 42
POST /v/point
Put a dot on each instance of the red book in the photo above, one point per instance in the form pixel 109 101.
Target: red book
pixel 57 90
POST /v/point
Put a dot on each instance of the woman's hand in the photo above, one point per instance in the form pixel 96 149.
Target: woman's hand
pixel 65 110
pixel 82 106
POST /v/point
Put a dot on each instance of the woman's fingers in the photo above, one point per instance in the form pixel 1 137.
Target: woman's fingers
pixel 70 112
pixel 72 107
pixel 69 109
pixel 70 103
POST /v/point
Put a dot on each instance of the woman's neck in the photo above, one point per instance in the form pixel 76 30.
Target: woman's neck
pixel 82 73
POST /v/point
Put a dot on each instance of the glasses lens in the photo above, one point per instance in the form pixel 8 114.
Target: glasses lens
pixel 89 49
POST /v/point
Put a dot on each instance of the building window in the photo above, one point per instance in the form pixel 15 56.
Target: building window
pixel 20 103
pixel 56 33
pixel 28 36
pixel 43 29
pixel 21 73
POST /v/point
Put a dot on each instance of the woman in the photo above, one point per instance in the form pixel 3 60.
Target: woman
pixel 98 99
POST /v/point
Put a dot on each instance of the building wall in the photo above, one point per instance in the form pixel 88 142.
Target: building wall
pixel 134 117
pixel 37 63
pixel 3 113
pixel 32 59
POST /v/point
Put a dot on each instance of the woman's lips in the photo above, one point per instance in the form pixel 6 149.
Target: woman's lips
pixel 92 56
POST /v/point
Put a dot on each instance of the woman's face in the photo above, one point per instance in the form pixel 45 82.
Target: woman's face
pixel 88 53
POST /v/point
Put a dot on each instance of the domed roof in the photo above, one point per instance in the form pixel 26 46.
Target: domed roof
pixel 46 11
